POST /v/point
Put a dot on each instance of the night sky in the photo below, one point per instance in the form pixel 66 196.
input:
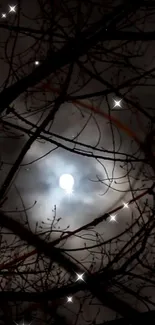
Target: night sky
pixel 102 144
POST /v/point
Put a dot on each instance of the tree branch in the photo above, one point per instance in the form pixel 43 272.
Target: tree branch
pixel 74 49
pixel 107 298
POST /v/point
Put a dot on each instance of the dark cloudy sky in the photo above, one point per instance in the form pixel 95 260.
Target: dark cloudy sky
pixel 99 185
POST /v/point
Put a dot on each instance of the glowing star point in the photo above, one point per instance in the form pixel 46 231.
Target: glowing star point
pixel 117 103
pixel 3 15
pixel 80 277
pixel 12 8
pixel 36 62
pixel 66 182
pixel 126 205
pixel 69 299
pixel 113 218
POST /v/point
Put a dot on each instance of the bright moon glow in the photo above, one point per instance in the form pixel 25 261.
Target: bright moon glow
pixel 66 182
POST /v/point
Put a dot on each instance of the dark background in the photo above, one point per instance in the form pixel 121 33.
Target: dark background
pixel 118 63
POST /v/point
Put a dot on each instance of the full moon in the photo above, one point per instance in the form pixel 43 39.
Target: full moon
pixel 66 182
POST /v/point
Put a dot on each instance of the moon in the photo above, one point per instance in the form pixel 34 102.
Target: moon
pixel 66 182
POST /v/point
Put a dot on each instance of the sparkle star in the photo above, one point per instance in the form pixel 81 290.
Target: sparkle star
pixel 126 205
pixel 113 218
pixel 36 62
pixel 80 277
pixel 69 299
pixel 12 9
pixel 3 15
pixel 117 103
